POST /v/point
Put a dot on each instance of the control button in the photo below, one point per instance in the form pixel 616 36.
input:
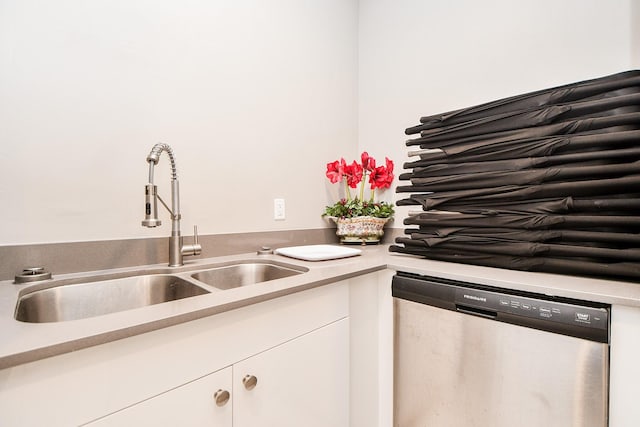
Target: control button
pixel 504 302
pixel 545 312
pixel 583 317
pixel 515 304
pixel 556 310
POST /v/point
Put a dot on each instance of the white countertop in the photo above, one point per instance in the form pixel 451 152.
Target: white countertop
pixel 22 342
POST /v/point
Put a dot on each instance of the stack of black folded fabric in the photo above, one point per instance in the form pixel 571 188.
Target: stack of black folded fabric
pixel 546 181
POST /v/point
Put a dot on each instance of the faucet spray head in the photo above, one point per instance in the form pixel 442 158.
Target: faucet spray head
pixel 151 206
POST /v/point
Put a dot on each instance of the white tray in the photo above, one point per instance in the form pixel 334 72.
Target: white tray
pixel 318 252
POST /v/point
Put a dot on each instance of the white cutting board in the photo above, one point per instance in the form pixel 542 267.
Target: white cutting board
pixel 318 252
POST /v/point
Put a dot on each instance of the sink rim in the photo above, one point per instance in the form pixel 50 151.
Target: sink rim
pixel 298 268
pixel 183 273
pixel 141 292
pixel 291 271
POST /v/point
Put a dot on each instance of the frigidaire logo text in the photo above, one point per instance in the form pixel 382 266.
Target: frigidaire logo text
pixel 475 298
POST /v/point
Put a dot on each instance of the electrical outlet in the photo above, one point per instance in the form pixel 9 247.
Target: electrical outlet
pixel 278 209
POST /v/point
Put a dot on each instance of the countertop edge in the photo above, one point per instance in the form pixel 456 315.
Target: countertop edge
pixel 372 260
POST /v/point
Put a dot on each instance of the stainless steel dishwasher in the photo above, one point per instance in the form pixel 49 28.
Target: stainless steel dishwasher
pixel 470 355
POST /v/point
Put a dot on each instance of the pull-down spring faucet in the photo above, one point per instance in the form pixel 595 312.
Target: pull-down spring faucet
pixel 176 249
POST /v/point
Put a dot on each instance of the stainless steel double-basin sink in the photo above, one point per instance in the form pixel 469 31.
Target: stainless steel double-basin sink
pixel 80 298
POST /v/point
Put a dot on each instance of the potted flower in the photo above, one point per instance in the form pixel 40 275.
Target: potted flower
pixel 360 220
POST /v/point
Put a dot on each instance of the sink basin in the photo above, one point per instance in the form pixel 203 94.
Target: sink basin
pixel 236 275
pixel 83 300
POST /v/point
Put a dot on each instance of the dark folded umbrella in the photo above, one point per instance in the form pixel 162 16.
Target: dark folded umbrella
pixel 581 238
pixel 444 169
pixel 536 117
pixel 501 246
pixel 526 221
pixel 539 206
pixel 466 234
pixel 630 121
pixel 520 178
pixel 575 111
pixel 587 188
pixel 627 204
pixel 556 95
pixel 618 270
pixel 535 147
pixel 497 123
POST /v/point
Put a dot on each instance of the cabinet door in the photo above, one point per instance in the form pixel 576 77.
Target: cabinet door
pixel 304 382
pixel 192 404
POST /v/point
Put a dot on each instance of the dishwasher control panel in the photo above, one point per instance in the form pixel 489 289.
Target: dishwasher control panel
pixel 581 319
pixel 553 311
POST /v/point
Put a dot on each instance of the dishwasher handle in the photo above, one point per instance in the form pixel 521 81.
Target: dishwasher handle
pixel 474 311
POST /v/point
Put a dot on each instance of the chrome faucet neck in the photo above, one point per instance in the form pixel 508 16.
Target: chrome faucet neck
pixel 176 248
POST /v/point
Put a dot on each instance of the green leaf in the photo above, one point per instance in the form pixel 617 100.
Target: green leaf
pixel 356 207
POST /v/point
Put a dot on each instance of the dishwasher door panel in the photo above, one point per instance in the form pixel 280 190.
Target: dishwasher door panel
pixel 454 369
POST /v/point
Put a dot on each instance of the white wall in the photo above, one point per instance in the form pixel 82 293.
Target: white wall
pixel 255 97
pixel 419 58
pixel 635 33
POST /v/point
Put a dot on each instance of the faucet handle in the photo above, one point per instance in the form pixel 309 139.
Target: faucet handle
pixel 197 247
pixel 195 235
pixel 194 249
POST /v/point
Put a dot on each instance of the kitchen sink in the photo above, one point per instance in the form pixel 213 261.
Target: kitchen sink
pixel 82 298
pixel 242 274
pixel 90 299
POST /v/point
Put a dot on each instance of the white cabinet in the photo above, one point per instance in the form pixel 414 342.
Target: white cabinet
pixel 173 371
pixel 192 404
pixel 303 382
pixel 624 377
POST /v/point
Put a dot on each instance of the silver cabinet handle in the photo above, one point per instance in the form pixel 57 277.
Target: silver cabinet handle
pixel 221 397
pixel 250 382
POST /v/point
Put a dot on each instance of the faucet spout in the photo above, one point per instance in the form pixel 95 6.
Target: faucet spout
pixel 176 249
